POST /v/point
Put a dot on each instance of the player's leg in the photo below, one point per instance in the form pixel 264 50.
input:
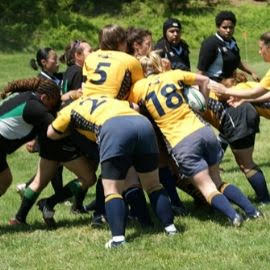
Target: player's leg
pixel 46 170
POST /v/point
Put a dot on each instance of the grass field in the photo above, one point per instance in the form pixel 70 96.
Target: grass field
pixel 205 241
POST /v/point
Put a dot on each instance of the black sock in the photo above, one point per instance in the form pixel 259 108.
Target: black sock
pixel 161 206
pixel 79 198
pixel 100 198
pixel 135 198
pixel 57 180
pixel 67 192
pixel 258 183
pixel 28 201
pixel 169 183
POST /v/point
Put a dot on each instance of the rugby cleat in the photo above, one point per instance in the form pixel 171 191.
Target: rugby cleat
pixel 256 215
pixel 15 222
pixel 20 188
pixel 113 244
pixel 171 230
pixel 78 210
pixel 98 220
pixel 47 213
pixel 237 221
pixel 179 210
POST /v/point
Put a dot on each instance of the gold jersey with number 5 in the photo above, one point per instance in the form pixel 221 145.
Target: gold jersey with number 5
pixel 110 73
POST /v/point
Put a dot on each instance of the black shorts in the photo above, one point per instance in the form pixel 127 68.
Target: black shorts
pixel 244 143
pixel 88 148
pixel 60 150
pixel 239 122
pixel 116 168
pixel 3 161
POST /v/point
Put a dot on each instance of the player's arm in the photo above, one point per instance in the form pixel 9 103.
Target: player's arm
pixel 240 93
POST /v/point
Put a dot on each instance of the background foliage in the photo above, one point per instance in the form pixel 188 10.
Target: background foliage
pixel 30 24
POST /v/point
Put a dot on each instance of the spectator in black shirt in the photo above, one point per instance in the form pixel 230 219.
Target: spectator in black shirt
pixel 219 54
pixel 172 47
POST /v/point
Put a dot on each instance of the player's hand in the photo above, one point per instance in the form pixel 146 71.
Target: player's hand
pixel 31 146
pixel 255 77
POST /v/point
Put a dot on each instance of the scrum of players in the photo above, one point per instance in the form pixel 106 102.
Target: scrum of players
pixel 123 107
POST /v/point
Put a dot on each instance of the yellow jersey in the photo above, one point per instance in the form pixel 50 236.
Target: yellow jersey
pixel 265 81
pixel 162 96
pixel 263 108
pixel 110 73
pixel 88 114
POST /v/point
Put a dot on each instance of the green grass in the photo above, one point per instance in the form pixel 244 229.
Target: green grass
pixel 205 242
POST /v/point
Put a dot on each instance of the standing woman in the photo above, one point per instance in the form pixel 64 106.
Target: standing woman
pixel 47 61
pixel 172 46
pixel 219 54
pixel 74 57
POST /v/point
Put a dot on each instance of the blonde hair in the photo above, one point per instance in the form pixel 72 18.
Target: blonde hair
pixel 151 64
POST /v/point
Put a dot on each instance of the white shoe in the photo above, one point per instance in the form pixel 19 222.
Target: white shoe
pixel 20 188
pixel 171 230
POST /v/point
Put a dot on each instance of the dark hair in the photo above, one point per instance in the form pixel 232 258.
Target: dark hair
pixel 37 85
pixel 135 35
pixel 171 22
pixel 265 37
pixel 41 54
pixel 68 57
pixel 111 36
pixel 225 15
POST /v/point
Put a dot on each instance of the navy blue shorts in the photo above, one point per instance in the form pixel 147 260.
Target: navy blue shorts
pixel 125 141
pixel 197 152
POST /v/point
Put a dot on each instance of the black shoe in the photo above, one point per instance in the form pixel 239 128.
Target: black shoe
pixel 91 206
pixel 237 221
pixel 98 220
pixel 47 213
pixel 114 244
pixel 179 210
pixel 78 210
pixel 256 215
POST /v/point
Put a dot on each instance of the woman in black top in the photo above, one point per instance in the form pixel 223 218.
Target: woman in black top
pixel 219 54
pixel 74 57
pixel 172 47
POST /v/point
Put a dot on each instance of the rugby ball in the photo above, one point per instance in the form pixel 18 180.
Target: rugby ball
pixel 194 98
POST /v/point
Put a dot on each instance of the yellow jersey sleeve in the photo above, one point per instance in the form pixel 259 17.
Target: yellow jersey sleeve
pixel 265 81
pixel 137 91
pixel 62 121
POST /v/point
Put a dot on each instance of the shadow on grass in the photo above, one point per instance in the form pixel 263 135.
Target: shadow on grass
pixel 37 225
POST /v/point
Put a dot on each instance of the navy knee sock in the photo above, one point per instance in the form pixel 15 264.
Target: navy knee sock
pixel 221 203
pixel 116 214
pixel 235 195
